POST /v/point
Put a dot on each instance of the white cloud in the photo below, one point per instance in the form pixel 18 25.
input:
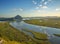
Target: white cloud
pixel 14 9
pixel 38 11
pixel 40 5
pixel 45 3
pixel 37 7
pixel 49 0
pixel 20 9
pixel 44 7
pixel 17 9
pixel 34 2
pixel 43 0
pixel 58 9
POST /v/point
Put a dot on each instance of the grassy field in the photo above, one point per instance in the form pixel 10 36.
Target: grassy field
pixel 58 35
pixel 44 22
pixel 10 35
pixel 37 35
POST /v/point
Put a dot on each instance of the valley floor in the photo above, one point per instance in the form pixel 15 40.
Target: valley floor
pixel 10 35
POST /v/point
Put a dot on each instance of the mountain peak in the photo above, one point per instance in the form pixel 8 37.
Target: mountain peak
pixel 18 17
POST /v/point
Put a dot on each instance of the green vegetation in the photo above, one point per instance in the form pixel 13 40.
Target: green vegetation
pixel 9 42
pixel 11 35
pixel 40 36
pixel 58 35
pixel 37 35
pixel 44 22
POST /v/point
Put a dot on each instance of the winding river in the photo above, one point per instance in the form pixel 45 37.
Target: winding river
pixel 47 30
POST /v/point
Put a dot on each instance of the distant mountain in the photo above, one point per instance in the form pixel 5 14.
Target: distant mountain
pixel 47 17
pixel 17 18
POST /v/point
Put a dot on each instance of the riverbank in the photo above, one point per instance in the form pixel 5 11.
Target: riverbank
pixel 14 36
pixel 44 22
pixel 58 35
pixel 37 35
pixel 40 29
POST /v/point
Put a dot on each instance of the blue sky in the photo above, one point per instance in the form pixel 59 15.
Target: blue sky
pixel 28 8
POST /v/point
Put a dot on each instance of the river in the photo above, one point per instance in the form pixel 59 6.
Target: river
pixel 47 30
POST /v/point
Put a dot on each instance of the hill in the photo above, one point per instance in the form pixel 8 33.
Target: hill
pixel 16 18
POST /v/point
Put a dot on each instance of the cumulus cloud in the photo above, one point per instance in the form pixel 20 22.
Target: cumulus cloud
pixel 17 9
pixel 20 9
pixel 38 10
pixel 49 0
pixel 14 9
pixel 44 7
pixel 34 2
pixel 41 11
pixel 40 5
pixel 43 0
pixel 45 3
pixel 58 9
pixel 37 7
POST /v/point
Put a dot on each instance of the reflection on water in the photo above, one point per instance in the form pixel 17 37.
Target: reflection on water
pixel 47 30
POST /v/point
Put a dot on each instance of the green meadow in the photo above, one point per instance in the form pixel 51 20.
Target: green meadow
pixel 44 22
pixel 58 35
pixel 10 35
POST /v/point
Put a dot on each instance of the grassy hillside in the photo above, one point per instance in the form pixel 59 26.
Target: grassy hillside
pixel 10 35
pixel 9 42
pixel 45 22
